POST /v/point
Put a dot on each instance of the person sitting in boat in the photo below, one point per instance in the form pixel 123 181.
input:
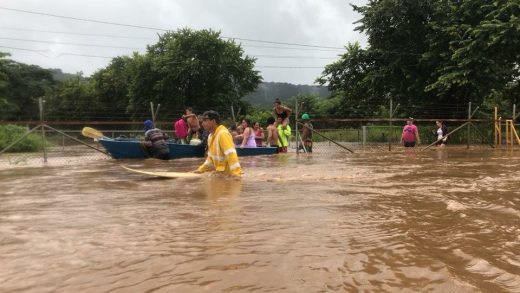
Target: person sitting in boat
pixel 155 141
pixel 259 134
pixel 248 136
pixel 236 133
pixel 222 155
pixel 181 131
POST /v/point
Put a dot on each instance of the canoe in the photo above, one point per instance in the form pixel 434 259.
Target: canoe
pixel 134 149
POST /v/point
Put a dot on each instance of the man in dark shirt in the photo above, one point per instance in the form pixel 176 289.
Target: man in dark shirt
pixel 155 140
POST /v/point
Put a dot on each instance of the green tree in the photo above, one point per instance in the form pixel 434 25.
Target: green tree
pixel 112 84
pixel 426 53
pixel 74 99
pixel 20 87
pixel 192 68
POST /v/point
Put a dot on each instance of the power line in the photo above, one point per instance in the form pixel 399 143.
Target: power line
pixel 75 33
pixel 158 29
pixel 133 48
pixel 68 43
pixel 108 57
pixel 289 67
pixel 145 38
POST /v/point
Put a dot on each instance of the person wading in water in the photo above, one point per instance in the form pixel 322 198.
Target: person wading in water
pixel 222 155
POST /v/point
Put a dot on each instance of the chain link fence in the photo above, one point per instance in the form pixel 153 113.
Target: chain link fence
pixel 64 144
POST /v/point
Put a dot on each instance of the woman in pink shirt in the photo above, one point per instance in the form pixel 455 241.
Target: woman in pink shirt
pixel 410 134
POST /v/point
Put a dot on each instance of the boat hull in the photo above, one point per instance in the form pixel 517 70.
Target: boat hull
pixel 133 149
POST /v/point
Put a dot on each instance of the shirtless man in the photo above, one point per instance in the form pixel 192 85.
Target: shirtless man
pixel 272 133
pixel 193 123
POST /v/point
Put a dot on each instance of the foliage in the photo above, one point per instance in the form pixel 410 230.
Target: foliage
pixel 184 68
pixel 20 87
pixel 260 116
pixel 74 99
pixel 192 68
pixel 429 53
pixel 10 133
pixel 112 85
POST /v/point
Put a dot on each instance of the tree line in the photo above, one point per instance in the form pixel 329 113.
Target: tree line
pixel 427 54
pixel 431 56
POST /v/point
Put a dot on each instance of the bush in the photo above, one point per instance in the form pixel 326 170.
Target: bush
pixel 10 133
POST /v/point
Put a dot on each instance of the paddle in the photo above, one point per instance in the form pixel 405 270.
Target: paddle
pixel 92 133
pixel 164 174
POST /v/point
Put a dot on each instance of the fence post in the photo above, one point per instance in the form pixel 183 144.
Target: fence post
pixel 390 129
pixel 364 134
pixel 296 126
pixel 40 106
pixel 469 125
pixel 153 112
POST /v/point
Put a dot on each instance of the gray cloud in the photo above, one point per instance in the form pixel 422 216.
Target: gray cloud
pixel 316 22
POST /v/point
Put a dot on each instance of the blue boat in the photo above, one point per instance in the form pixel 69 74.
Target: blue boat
pixel 134 149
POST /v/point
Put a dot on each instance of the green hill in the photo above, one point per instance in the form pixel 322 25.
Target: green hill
pixel 267 92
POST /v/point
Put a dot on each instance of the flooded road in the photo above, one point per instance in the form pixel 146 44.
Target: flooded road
pixel 439 220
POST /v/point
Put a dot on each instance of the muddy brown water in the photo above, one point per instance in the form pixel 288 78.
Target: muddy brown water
pixel 439 221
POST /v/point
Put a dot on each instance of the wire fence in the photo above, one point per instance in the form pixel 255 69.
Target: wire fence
pixel 60 142
pixel 67 144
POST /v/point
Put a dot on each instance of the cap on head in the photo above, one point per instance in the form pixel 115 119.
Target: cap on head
pixel 305 116
pixel 212 115
pixel 148 124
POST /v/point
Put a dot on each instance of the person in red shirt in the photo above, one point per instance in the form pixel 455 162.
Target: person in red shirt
pixel 410 136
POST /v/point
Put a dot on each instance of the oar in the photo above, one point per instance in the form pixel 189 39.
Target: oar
pixel 92 133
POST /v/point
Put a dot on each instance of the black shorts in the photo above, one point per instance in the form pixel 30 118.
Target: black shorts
pixel 409 144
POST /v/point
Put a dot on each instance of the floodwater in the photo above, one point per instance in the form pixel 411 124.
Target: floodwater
pixel 375 221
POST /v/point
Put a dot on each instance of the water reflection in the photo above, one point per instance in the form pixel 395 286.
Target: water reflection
pixel 217 186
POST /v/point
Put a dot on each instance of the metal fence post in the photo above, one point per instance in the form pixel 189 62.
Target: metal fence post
pixel 364 134
pixel 390 129
pixel 469 125
pixel 40 105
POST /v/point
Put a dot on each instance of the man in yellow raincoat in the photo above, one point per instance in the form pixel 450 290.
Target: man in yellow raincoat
pixel 222 155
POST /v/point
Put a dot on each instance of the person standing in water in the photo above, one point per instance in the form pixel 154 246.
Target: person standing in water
pixel 193 123
pixel 306 133
pixel 272 133
pixel 284 132
pixel 155 141
pixel 441 133
pixel 222 155
pixel 410 135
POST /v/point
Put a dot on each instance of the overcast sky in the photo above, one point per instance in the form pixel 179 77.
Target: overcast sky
pixel 325 23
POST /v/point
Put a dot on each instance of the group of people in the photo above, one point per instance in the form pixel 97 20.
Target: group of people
pixel 410 136
pixel 221 142
pixel 250 134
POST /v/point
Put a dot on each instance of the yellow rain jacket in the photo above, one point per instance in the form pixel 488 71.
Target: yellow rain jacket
pixel 222 154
